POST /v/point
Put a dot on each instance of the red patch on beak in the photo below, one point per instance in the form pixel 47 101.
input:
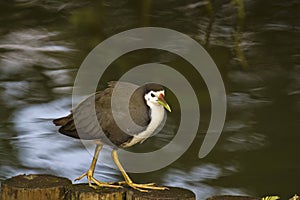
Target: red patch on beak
pixel 161 96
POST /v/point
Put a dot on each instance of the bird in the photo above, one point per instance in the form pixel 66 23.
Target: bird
pixel 147 107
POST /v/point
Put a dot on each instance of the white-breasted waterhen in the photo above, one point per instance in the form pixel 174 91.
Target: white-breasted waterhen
pixel 146 109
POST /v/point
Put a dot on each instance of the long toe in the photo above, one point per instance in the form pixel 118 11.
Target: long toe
pixel 103 184
pixel 145 187
pixel 90 178
pixel 124 183
pixel 80 177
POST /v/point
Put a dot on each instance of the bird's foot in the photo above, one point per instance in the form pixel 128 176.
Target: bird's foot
pixel 143 187
pixel 89 175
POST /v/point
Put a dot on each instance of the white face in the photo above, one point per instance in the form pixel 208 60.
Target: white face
pixel 153 96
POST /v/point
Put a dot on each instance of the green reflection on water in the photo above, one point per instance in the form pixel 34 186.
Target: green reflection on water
pixel 42 44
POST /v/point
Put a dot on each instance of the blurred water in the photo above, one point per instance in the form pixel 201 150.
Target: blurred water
pixel 256 47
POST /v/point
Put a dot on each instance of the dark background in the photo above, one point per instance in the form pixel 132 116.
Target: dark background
pixel 255 45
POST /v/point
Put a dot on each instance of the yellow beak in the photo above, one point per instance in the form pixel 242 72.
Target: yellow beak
pixel 163 102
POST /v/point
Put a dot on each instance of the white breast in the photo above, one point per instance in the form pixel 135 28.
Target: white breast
pixel 157 116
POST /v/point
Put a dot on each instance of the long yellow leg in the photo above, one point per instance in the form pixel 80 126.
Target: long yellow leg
pixel 128 181
pixel 90 173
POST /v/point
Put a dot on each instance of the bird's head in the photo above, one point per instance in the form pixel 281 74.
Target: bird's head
pixel 154 96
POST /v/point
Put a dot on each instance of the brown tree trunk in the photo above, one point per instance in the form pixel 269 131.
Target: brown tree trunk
pixel 172 193
pixel 47 187
pixel 32 187
pixel 83 192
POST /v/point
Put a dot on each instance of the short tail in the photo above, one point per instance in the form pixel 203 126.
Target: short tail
pixel 67 126
pixel 63 120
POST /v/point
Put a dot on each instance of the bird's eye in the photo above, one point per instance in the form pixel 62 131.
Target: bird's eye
pixel 152 95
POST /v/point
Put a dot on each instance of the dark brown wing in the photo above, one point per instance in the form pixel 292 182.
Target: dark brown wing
pixel 87 128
